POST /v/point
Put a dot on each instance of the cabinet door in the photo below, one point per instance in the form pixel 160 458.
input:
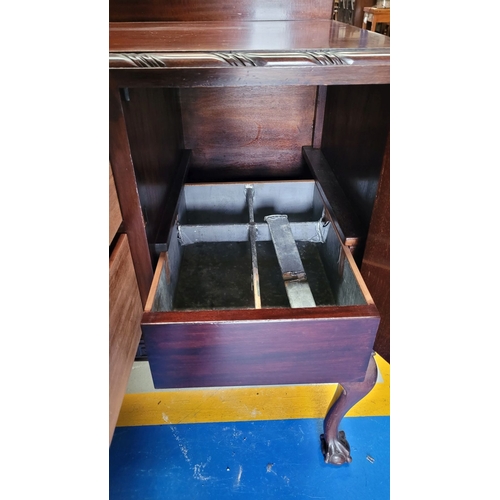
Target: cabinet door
pixel 376 260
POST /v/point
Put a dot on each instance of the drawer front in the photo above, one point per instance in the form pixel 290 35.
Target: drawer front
pixel 125 311
pixel 260 352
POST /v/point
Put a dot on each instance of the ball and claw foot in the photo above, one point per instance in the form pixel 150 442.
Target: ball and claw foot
pixel 334 445
pixel 338 451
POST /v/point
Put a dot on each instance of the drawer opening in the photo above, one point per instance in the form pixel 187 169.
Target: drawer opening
pixel 221 253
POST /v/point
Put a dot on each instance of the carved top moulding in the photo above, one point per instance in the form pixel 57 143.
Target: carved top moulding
pixel 245 59
pixel 251 46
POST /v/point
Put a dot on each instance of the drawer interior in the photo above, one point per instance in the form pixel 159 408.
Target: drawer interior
pixel 212 262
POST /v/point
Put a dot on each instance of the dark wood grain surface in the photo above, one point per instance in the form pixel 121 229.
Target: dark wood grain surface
pixel 319 115
pixel 375 268
pixel 169 210
pixel 370 73
pixel 122 166
pixel 264 314
pixel 249 133
pixel 214 10
pixel 253 352
pixel 154 128
pixel 354 138
pixel 234 36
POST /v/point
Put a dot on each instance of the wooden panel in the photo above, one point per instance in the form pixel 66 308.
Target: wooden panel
pixel 155 134
pixel 214 10
pixel 171 204
pixel 375 268
pixel 260 352
pixel 247 133
pixel 319 115
pixel 115 215
pixel 370 73
pixel 126 187
pixel 355 132
pixel 220 36
pixel 125 310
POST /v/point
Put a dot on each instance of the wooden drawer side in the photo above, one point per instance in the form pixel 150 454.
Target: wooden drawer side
pixel 125 311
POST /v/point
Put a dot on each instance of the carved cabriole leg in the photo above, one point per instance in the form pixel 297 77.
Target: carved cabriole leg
pixel 334 445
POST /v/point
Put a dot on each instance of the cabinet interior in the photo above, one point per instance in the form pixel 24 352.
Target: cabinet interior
pixel 254 134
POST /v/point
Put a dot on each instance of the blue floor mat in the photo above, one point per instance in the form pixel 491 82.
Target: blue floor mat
pixel 256 460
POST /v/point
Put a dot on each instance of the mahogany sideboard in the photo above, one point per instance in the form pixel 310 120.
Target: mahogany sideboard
pixel 259 96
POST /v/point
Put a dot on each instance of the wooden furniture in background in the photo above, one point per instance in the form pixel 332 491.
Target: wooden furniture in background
pixel 374 16
pixel 207 95
pixel 351 11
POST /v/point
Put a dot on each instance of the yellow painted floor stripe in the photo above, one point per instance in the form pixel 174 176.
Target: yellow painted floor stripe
pixel 236 404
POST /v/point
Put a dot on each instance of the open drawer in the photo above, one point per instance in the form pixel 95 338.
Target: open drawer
pixel 241 298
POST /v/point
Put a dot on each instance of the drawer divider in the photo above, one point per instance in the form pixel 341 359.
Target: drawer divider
pixel 295 278
pixel 253 237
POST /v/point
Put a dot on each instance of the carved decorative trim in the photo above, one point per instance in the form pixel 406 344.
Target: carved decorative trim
pixel 226 59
